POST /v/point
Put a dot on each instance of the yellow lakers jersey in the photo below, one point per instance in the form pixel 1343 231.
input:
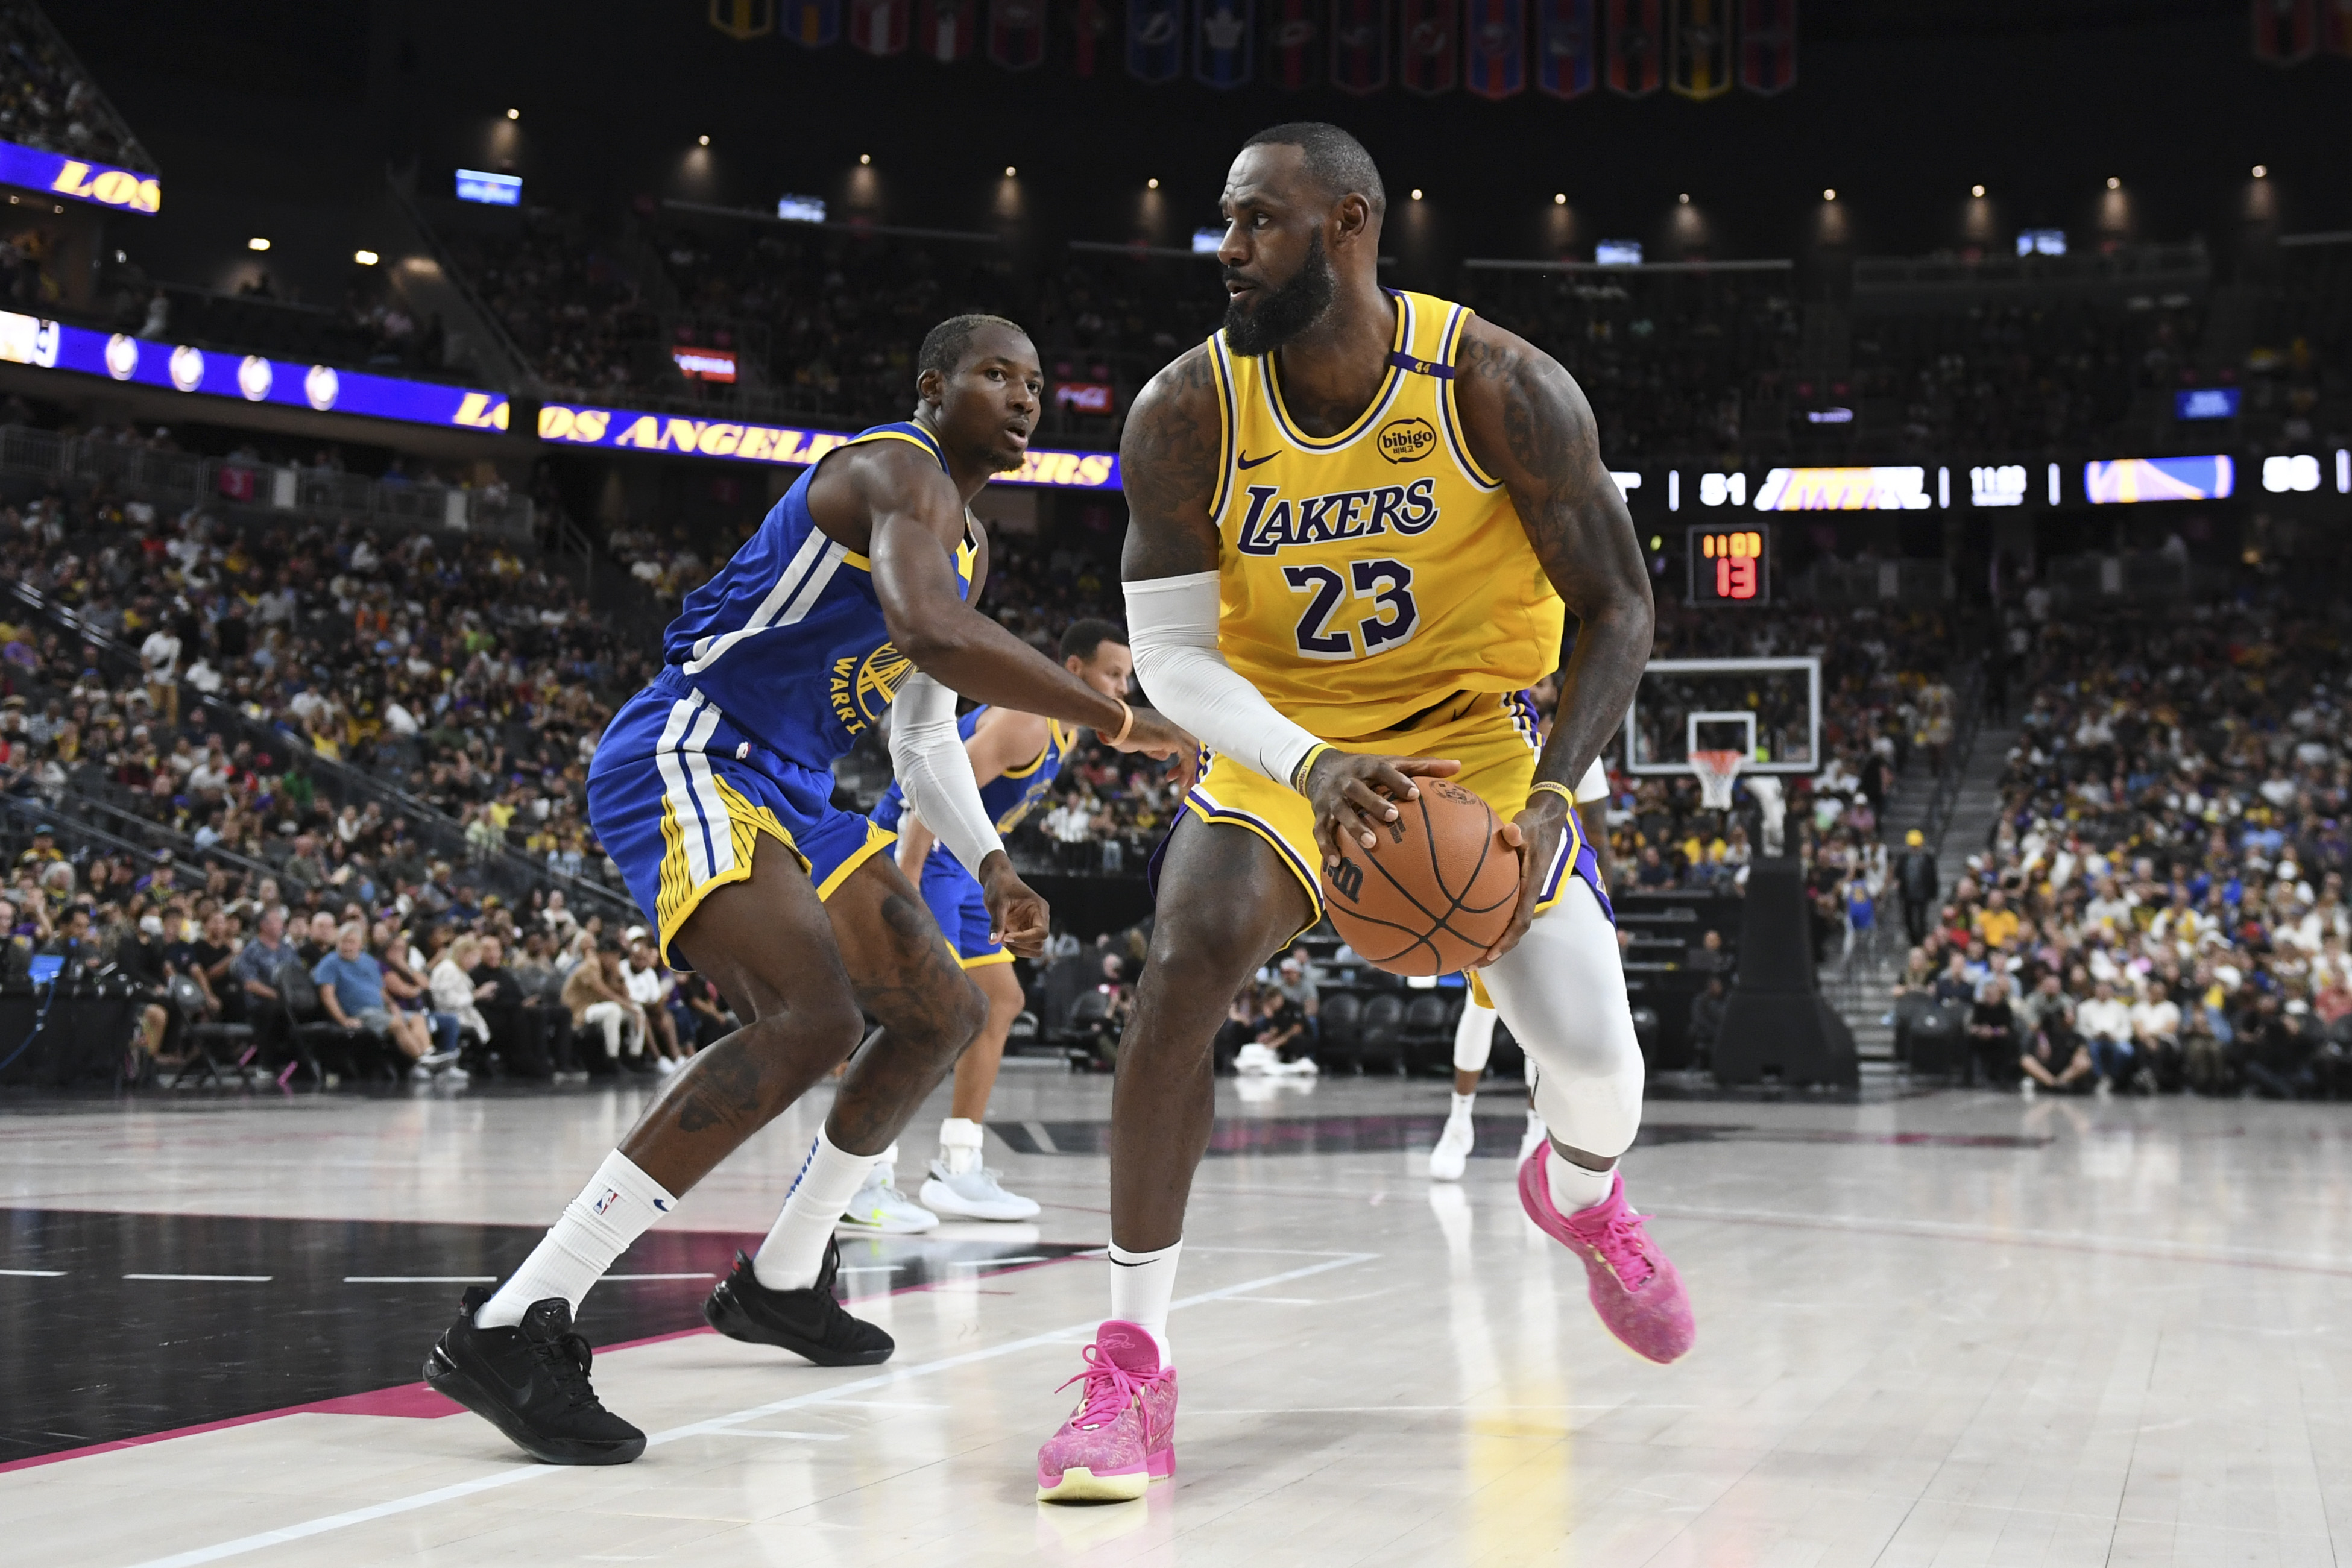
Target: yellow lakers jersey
pixel 1368 575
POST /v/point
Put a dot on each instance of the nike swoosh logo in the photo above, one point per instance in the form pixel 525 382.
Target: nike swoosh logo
pixel 660 1204
pixel 1254 462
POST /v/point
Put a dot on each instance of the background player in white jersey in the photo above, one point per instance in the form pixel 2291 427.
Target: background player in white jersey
pixel 1474 1030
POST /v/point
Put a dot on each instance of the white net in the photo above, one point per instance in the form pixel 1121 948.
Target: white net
pixel 1716 771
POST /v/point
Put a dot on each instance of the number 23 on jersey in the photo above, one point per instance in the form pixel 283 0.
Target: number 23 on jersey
pixel 1324 631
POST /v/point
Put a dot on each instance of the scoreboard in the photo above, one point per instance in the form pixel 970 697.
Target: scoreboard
pixel 1731 564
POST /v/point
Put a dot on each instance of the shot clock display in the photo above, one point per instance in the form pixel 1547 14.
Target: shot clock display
pixel 1730 565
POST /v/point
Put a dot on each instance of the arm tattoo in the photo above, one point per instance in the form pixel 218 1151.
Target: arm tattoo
pixel 1167 461
pixel 1528 423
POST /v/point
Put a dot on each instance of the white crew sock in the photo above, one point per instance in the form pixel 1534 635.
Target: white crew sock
pixel 614 1209
pixel 1573 1187
pixel 1142 1284
pixel 1461 1104
pixel 794 1251
pixel 960 1141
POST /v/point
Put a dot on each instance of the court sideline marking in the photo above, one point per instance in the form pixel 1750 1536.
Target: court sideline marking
pixel 717 1423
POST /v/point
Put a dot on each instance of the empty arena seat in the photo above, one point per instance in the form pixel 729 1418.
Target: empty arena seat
pixel 1429 1030
pixel 204 1043
pixel 1340 1022
pixel 1382 1038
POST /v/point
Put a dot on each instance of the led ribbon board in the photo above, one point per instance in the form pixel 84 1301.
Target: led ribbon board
pixel 248 378
pixel 2125 481
pixel 80 180
pixel 1898 489
pixel 630 430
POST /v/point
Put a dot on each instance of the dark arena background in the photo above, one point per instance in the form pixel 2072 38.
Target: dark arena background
pixel 378 380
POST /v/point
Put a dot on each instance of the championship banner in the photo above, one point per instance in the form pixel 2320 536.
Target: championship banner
pixel 813 23
pixel 2285 31
pixel 1768 45
pixel 880 27
pixel 1089 27
pixel 1495 48
pixel 1426 59
pixel 743 20
pixel 1155 40
pixel 944 29
pixel 1016 33
pixel 1699 59
pixel 1360 44
pixel 1222 44
pixel 1637 46
pixel 1293 52
pixel 2336 26
pixel 1567 48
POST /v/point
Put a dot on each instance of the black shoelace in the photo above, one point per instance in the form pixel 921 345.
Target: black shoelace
pixel 567 1359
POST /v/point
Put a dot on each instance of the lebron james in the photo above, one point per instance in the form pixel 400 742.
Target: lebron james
pixel 1360 518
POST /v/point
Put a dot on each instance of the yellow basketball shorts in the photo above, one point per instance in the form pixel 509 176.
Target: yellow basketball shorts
pixel 1491 734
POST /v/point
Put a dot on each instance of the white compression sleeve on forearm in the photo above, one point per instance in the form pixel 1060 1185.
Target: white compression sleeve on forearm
pixel 935 772
pixel 1173 622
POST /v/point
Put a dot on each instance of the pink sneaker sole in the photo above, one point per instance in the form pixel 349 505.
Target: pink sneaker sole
pixel 1079 1484
pixel 1653 1321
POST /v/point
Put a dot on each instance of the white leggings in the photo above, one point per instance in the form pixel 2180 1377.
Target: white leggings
pixel 1474 1036
pixel 1562 989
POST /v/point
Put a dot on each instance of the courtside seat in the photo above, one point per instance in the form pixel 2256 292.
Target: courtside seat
pixel 1340 1022
pixel 204 1044
pixel 1429 1030
pixel 318 1041
pixel 1383 1034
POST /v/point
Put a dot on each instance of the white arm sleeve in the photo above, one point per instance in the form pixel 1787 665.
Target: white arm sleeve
pixel 935 772
pixel 1173 624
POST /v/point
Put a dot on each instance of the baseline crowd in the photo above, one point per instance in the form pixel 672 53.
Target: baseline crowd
pixel 2161 905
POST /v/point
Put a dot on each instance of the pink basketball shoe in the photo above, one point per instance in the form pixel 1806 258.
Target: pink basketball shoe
pixel 1122 1437
pixel 1633 1287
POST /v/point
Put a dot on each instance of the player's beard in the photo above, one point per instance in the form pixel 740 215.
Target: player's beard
pixel 1281 313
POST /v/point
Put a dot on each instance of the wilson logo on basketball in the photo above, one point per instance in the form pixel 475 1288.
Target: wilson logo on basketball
pixel 1347 880
pixel 1407 440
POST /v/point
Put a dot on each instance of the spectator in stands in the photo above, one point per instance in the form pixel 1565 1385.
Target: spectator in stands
pixel 1992 1031
pixel 2156 1037
pixel 1917 876
pixel 1707 1019
pixel 2106 1029
pixel 649 986
pixel 455 991
pixel 352 988
pixel 598 998
pixel 2278 1052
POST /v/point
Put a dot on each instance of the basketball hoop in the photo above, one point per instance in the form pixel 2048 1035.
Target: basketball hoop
pixel 1716 771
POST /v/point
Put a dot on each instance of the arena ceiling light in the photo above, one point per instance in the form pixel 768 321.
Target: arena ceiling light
pixel 1010 173
pixel 1828 192
pixel 863 159
pixel 702 141
pixel 514 114
pixel 365 258
pixel 1977 190
pixel 1151 184
pixel 1560 198
pixel 2113 183
pixel 2261 171
pixel 257 242
pixel 1416 193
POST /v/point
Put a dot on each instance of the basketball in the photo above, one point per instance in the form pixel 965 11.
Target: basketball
pixel 1435 893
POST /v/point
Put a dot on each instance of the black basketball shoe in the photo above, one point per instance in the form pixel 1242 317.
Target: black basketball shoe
pixel 807 1322
pixel 530 1381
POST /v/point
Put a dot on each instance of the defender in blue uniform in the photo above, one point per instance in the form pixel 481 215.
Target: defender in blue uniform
pixel 1016 758
pixel 712 790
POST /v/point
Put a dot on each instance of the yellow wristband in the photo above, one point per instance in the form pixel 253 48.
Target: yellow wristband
pixel 1306 766
pixel 1127 722
pixel 1547 786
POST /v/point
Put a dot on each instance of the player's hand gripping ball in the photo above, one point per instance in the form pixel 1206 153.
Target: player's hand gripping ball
pixel 1436 890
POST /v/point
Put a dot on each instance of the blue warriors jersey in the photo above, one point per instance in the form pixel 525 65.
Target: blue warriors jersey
pixel 787 640
pixel 1012 794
